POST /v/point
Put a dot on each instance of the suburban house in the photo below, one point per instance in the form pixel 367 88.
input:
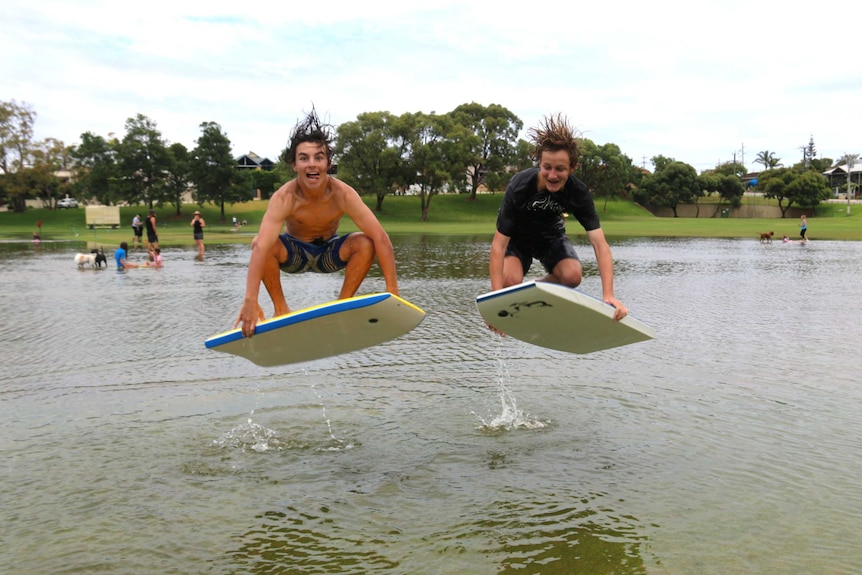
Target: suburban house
pixel 839 175
pixel 253 161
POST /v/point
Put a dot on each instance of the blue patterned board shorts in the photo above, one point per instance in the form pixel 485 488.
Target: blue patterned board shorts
pixel 320 256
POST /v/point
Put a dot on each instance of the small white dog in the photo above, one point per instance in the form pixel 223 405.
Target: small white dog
pixel 84 259
pixel 94 259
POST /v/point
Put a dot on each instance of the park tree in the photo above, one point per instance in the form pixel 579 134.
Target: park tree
pixel 368 159
pixel 49 158
pixel 673 184
pixel 429 164
pixel 605 170
pixel 818 165
pixel 808 190
pixel 213 170
pixel 730 169
pixel 16 147
pixel 97 173
pixel 521 160
pixel 790 186
pixel 731 190
pixel 143 162
pixel 490 140
pixel 265 181
pixel 660 162
pixel 729 187
pixel 178 175
pixel 774 185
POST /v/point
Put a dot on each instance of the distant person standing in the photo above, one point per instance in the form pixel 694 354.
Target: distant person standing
pixel 803 231
pixel 137 230
pixel 152 235
pixel 198 224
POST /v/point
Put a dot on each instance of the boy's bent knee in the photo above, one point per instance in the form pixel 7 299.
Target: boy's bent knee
pixel 358 244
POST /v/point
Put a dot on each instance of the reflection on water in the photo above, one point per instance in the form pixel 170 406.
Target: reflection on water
pixel 727 445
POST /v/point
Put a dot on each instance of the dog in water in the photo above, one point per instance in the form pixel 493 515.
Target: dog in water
pixel 766 238
pixel 94 259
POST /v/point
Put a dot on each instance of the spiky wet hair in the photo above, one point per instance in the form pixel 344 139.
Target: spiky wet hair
pixel 554 134
pixel 311 129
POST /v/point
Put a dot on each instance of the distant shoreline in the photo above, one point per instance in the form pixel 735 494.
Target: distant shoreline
pixel 448 215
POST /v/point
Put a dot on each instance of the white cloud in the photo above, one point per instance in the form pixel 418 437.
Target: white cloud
pixel 697 82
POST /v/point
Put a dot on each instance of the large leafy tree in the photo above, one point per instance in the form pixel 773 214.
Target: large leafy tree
pixel 673 184
pixel 490 141
pixel 96 171
pixel 29 168
pixel 790 186
pixel 522 159
pixel 143 162
pixel 266 181
pixel 731 190
pixel 429 164
pixel 729 187
pixel 213 169
pixel 605 170
pixel 16 147
pixel 809 189
pixel 730 169
pixel 50 158
pixel 818 165
pixel 178 178
pixel 660 162
pixel 368 157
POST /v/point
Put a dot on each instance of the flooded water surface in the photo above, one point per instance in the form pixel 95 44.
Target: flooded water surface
pixel 730 444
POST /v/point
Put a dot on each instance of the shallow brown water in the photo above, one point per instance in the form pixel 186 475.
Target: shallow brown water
pixel 728 445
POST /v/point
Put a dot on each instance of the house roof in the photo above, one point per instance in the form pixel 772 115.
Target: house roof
pixel 856 167
pixel 252 160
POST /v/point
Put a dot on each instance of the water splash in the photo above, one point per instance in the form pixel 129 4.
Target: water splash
pixel 510 416
pixel 251 436
pixel 334 443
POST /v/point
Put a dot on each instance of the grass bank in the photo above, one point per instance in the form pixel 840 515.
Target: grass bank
pixel 449 215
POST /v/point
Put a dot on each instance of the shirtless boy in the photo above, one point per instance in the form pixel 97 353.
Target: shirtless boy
pixel 311 207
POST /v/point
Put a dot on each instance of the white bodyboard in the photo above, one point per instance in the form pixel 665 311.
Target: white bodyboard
pixel 323 330
pixel 558 317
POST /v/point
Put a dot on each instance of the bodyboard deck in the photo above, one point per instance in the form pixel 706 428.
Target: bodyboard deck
pixel 559 317
pixel 323 330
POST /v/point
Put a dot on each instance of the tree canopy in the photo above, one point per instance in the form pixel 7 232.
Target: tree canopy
pixel 472 147
pixel 790 186
pixel 673 183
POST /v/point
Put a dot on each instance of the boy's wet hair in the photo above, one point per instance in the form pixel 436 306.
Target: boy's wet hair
pixel 313 130
pixel 554 134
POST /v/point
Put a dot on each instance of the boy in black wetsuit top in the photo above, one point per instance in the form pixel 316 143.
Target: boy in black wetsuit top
pixel 530 222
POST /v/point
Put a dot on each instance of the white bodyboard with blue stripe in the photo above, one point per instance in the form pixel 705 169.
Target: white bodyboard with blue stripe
pixel 323 330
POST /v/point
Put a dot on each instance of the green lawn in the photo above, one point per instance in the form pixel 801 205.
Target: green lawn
pixel 453 215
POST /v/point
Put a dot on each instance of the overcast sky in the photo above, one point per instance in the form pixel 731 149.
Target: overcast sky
pixel 702 82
